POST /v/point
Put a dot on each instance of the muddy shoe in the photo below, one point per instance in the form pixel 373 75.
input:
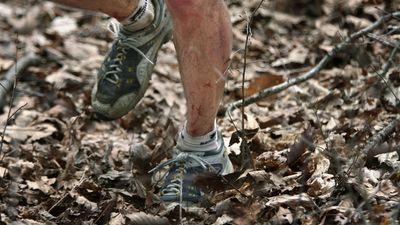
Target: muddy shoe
pixel 184 167
pixel 124 76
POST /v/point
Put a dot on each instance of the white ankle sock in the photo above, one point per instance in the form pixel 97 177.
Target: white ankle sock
pixel 141 17
pixel 208 142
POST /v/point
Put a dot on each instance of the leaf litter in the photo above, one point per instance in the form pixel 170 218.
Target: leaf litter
pixel 60 165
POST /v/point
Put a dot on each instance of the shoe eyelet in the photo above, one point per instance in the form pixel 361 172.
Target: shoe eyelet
pixel 112 78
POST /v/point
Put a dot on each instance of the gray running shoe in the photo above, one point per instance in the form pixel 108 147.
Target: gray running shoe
pixel 184 167
pixel 124 76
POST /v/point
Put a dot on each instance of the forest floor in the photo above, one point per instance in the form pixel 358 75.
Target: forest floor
pixel 324 151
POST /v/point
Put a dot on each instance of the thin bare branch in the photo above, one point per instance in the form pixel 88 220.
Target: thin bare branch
pixel 383 74
pixel 378 139
pixel 315 70
pixel 246 49
pixel 10 84
pixel 382 40
pixel 14 72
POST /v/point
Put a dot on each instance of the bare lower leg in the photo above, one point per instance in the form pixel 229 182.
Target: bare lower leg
pixel 118 9
pixel 202 35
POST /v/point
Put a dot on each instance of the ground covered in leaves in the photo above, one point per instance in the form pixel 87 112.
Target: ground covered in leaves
pixel 325 151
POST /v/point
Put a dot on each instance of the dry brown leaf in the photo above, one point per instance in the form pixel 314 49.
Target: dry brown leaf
pixel 141 218
pixel 328 29
pixel 89 205
pixel 387 190
pixel 300 146
pixel 222 220
pixel 380 215
pixel 249 216
pixel 340 215
pixel 115 178
pixel 321 186
pixel 80 51
pixel 318 165
pixel 296 56
pixel 254 43
pixel 391 159
pixel 3 172
pixel 5 10
pixel 5 63
pixel 358 22
pixel 117 219
pixel 63 25
pixel 29 22
pixel 285 19
pixel 31 133
pixel 283 216
pixel 272 161
pixel 44 185
pixel 262 82
pixel 26 117
pixel 292 201
pixel 61 79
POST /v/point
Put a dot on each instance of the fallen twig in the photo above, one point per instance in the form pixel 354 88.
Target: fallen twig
pixel 377 140
pixel 9 84
pixel 383 148
pixel 382 40
pixel 311 73
pixel 390 61
pixel 383 75
pixel 384 133
pixel 381 137
pixel 246 159
pixel 246 48
pixel 13 73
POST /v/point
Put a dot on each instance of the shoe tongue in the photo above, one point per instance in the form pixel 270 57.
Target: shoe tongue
pixel 141 37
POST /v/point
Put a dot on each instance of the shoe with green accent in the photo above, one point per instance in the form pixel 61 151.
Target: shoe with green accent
pixel 185 165
pixel 125 74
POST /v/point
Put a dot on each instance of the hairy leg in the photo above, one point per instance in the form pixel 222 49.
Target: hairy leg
pixel 202 36
pixel 118 9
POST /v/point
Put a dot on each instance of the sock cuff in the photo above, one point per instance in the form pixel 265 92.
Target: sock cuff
pixel 137 13
pixel 142 16
pixel 208 142
pixel 200 140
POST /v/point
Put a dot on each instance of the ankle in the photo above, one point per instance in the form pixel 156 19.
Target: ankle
pixel 208 142
pixel 141 17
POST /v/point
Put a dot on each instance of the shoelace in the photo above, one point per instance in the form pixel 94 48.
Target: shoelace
pixel 123 42
pixel 181 160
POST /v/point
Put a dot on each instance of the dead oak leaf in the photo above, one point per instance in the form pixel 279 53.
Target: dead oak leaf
pixel 262 82
pixel 117 219
pixel 63 25
pixel 31 133
pixel 141 218
pixel 248 214
pixel 61 79
pixel 283 216
pixel 44 184
pixel 3 172
pixel 296 56
pixel 318 165
pixel 292 201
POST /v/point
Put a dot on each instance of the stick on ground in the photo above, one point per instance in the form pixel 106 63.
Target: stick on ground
pixel 311 73
pixel 14 72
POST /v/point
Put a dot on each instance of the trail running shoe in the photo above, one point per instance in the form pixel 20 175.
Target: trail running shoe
pixel 124 76
pixel 184 167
